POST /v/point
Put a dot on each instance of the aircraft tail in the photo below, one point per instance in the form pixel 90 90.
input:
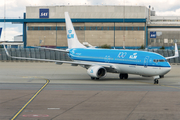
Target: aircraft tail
pixel 0 32
pixel 72 39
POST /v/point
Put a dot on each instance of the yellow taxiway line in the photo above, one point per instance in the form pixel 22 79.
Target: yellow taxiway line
pixel 30 100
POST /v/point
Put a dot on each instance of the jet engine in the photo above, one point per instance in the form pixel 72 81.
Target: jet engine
pixel 96 71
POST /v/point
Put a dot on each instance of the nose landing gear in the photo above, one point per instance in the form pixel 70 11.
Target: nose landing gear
pixel 156 81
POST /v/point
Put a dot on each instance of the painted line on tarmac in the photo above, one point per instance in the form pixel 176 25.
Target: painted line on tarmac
pixel 158 84
pixel 170 86
pixel 30 100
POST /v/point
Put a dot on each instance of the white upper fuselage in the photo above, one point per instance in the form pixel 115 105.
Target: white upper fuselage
pixel 123 61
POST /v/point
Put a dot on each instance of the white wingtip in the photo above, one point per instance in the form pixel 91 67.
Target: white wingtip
pixel 176 53
pixel 176 50
pixel 6 50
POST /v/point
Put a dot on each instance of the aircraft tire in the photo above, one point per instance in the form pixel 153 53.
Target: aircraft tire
pixel 121 76
pixel 92 78
pixel 125 76
pixel 161 76
pixel 156 81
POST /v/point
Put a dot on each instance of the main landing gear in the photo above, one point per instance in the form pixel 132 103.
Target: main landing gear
pixel 161 76
pixel 156 81
pixel 94 78
pixel 123 76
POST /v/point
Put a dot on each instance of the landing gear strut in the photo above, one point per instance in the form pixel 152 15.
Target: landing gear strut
pixel 123 76
pixel 156 81
pixel 161 76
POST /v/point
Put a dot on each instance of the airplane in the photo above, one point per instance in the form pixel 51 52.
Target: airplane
pixel 100 61
pixel 0 32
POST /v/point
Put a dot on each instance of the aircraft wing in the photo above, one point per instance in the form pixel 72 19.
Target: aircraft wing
pixel 176 54
pixel 59 61
pixel 52 49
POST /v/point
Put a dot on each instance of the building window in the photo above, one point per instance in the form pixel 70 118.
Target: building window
pixel 88 28
pixel 93 28
pixel 81 28
pixel 141 28
pixel 59 28
pixel 111 28
pixel 76 28
pixel 99 28
pixel 47 28
pixel 36 28
pixel 117 28
pixel 123 28
pixel 105 28
pixel 30 28
pixel 53 28
pixel 41 28
pixel 129 28
pixel 135 28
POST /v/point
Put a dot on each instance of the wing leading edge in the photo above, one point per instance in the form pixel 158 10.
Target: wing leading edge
pixel 66 51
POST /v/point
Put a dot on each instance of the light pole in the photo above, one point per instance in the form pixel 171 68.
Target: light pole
pixel 44 40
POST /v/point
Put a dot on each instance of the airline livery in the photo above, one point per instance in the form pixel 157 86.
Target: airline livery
pixel 100 61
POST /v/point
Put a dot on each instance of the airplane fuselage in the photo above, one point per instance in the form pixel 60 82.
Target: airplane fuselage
pixel 124 61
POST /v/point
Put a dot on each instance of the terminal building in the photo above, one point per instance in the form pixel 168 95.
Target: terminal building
pixel 118 26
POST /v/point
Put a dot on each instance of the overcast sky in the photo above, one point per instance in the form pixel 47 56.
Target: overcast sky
pixel 16 8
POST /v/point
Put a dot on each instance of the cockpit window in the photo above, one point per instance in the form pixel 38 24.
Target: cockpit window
pixel 161 60
pixel 155 60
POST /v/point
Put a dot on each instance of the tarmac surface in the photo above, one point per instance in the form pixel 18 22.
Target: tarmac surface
pixel 46 91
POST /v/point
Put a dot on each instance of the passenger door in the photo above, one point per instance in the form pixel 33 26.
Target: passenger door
pixel 146 59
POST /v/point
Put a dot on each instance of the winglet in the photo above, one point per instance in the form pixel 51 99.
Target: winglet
pixel 176 50
pixel 0 32
pixel 176 54
pixel 6 51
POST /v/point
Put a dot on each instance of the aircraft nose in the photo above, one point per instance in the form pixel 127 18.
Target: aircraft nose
pixel 167 70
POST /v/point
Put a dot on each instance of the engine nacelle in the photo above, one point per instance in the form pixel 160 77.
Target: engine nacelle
pixel 96 71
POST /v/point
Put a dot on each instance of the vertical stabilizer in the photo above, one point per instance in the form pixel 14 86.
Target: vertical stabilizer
pixel 0 32
pixel 72 39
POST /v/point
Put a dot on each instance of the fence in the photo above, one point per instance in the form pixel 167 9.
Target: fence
pixel 33 53
pixel 57 55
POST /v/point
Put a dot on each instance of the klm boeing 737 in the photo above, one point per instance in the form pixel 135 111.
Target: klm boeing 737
pixel 100 61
